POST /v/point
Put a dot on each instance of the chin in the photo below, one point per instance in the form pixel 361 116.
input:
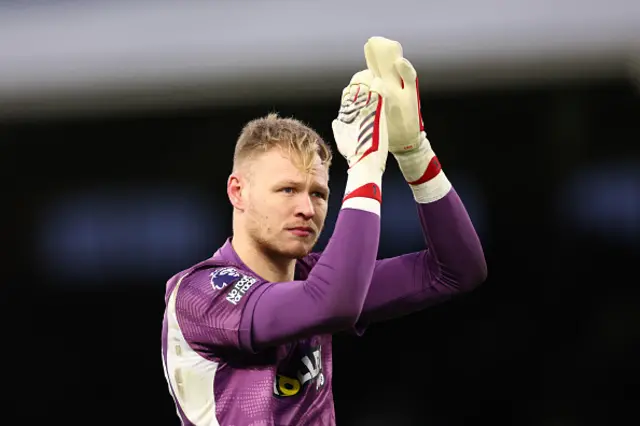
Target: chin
pixel 298 249
pixel 299 252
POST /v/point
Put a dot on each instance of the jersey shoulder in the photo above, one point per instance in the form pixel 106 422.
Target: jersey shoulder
pixel 226 281
pixel 210 303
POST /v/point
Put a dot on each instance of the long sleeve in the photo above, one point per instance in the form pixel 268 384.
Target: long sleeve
pixel 332 296
pixel 238 310
pixel 453 262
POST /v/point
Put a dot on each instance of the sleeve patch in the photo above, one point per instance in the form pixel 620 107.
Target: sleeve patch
pixel 222 277
pixel 240 288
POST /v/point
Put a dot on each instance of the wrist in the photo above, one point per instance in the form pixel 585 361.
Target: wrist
pixel 364 188
pixel 422 170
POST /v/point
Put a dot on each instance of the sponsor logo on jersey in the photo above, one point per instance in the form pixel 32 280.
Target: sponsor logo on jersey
pixel 239 289
pixel 222 277
pixel 305 370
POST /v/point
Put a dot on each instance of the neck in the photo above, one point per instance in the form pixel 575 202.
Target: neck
pixel 269 267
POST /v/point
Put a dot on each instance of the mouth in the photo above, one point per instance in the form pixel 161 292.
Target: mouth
pixel 301 231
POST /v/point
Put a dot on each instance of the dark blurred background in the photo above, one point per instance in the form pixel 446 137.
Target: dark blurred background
pixel 117 126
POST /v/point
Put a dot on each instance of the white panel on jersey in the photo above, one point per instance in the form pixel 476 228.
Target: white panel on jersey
pixel 191 376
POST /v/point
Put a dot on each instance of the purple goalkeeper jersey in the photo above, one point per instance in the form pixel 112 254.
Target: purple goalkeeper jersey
pixel 215 377
pixel 240 351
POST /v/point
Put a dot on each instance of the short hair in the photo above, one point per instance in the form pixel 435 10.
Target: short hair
pixel 294 137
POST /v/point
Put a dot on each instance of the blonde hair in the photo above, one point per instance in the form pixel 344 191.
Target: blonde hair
pixel 296 139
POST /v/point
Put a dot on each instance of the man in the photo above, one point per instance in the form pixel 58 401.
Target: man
pixel 247 333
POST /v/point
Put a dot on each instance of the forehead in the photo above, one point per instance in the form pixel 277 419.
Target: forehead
pixel 276 165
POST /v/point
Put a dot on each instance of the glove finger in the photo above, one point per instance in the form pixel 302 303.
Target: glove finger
pixel 406 71
pixel 370 58
pixel 362 77
pixel 356 91
pixel 385 52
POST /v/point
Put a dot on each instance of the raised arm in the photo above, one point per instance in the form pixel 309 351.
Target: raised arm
pixel 234 310
pixel 332 297
pixel 453 260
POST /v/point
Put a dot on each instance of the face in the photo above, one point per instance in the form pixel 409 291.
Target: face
pixel 282 207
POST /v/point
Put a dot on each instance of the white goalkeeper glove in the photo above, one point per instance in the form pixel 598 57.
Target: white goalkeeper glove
pixel 407 139
pixel 362 137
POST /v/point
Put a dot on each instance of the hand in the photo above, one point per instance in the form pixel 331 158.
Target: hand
pixel 360 131
pixel 407 140
pixel 384 58
pixel 361 127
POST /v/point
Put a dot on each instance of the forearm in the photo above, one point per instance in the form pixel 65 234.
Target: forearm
pixel 454 258
pixel 453 262
pixel 332 297
pixel 454 255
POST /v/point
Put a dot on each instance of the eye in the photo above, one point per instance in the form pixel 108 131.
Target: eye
pixel 287 190
pixel 320 195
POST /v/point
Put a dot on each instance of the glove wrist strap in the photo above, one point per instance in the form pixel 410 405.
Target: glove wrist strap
pixel 364 188
pixel 423 172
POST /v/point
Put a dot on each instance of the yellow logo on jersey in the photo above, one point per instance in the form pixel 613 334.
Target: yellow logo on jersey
pixel 309 371
pixel 286 386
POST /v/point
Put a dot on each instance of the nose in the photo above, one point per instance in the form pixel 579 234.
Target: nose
pixel 305 208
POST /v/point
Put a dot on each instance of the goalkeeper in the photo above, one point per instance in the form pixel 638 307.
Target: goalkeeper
pixel 246 337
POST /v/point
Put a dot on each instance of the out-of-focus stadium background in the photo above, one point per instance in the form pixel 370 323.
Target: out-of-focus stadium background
pixel 117 124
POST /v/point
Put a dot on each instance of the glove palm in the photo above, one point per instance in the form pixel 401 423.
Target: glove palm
pixel 360 131
pixel 361 127
pixel 384 58
pixel 407 140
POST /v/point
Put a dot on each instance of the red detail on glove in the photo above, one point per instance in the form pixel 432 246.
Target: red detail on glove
pixel 370 190
pixel 355 97
pixel 401 83
pixel 432 171
pixel 419 106
pixel 375 137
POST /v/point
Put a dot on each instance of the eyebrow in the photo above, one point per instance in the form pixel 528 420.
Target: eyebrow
pixel 291 182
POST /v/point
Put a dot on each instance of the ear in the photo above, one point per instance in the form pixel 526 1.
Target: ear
pixel 235 190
